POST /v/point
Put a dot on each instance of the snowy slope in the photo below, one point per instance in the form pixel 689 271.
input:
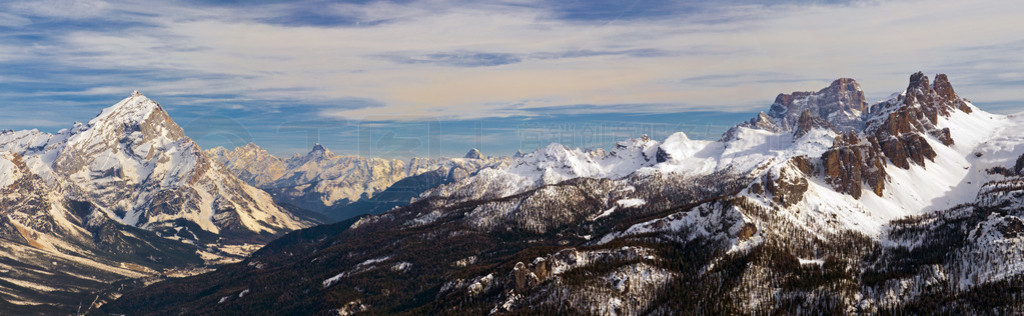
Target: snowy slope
pixel 954 176
pixel 139 168
pixel 9 172
pixel 827 206
pixel 549 165
pixel 126 195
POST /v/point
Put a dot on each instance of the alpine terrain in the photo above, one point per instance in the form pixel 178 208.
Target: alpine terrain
pixel 341 187
pixel 125 196
pixel 825 204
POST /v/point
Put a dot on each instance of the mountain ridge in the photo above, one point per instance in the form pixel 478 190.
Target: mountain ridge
pixel 914 212
pixel 125 196
pixel 330 184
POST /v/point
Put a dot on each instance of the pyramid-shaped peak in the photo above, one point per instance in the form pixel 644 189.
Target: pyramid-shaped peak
pixel 133 110
pixel 319 152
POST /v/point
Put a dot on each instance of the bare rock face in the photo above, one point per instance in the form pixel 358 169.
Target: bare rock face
pixel 787 187
pixel 937 99
pixel 748 230
pixel 896 130
pixel 905 148
pixel 523 277
pixel 900 124
pixel 807 122
pixel 841 104
pixel 852 162
pixel 900 138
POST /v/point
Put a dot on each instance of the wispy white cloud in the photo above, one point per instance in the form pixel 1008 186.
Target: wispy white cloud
pixel 430 59
pixel 11 20
pixel 64 9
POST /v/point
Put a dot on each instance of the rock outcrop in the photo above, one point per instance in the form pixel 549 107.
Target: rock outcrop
pixel 901 124
pixel 853 162
pixel 761 121
pixel 807 122
pixel 895 130
pixel 787 186
pixel 841 103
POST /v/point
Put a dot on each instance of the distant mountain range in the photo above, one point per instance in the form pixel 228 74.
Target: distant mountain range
pixel 825 204
pixel 127 199
pixel 342 187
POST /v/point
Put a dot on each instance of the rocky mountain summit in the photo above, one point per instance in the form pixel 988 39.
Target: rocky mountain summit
pixel 842 104
pixel 824 205
pixel 139 168
pixel 126 195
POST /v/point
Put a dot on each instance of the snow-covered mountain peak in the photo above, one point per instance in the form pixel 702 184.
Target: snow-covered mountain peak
pixel 853 159
pixel 315 154
pixel 553 164
pixel 132 110
pixel 138 167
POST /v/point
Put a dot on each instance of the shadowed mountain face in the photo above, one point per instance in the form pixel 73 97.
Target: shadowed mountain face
pixel 824 205
pixel 125 196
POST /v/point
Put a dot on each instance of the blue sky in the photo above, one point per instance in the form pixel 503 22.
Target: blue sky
pixel 427 78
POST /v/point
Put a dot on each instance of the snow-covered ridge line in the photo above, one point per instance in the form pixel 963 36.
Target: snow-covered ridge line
pixel 804 124
pixel 138 167
pixel 320 179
